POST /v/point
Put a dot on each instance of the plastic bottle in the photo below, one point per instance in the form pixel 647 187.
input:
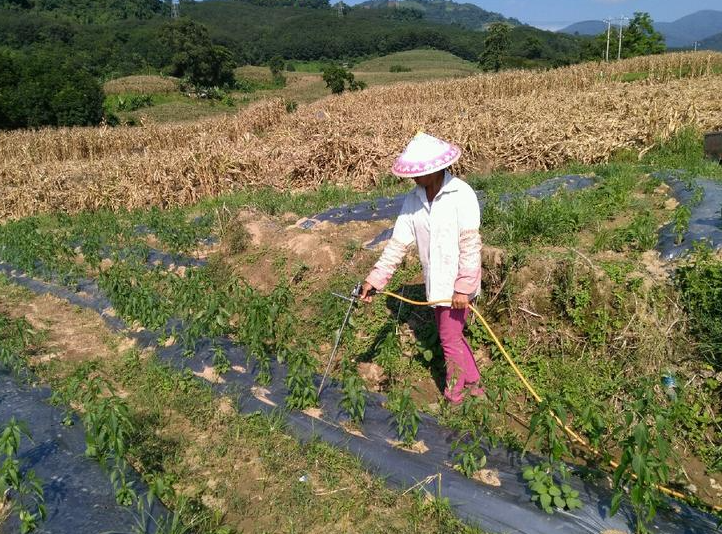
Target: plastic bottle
pixel 669 384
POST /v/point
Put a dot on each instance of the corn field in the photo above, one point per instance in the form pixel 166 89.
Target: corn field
pixel 515 120
pixel 141 84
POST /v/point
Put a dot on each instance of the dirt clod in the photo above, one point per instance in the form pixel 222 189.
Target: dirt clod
pixel 373 375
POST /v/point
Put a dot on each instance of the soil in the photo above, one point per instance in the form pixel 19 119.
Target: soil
pixel 373 375
pixel 278 250
pixel 73 334
pixel 488 476
pixel 418 447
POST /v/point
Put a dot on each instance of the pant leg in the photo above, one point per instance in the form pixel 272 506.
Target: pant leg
pixel 461 368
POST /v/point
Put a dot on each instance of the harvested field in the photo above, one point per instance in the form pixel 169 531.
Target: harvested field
pixel 141 84
pixel 512 120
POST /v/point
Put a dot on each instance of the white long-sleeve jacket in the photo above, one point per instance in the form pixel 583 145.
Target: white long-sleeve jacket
pixel 446 233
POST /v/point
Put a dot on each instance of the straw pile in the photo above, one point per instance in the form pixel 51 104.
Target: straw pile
pixel 515 120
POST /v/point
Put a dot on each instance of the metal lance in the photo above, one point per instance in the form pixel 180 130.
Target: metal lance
pixel 352 302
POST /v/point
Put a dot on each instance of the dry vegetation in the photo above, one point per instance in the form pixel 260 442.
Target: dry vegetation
pixel 513 120
pixel 141 84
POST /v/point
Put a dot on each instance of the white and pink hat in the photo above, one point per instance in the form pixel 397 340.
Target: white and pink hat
pixel 423 155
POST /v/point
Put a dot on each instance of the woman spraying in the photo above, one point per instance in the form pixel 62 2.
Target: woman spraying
pixel 441 215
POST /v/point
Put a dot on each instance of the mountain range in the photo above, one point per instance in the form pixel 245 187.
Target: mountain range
pixel 467 15
pixel 704 27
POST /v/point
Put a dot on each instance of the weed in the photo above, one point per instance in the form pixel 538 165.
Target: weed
pixel 220 360
pixel 405 413
pixel 237 238
pixel 547 492
pixel 174 229
pixel 545 431
pixel 572 293
pixel 15 335
pixel 302 393
pixel 25 485
pixel 700 283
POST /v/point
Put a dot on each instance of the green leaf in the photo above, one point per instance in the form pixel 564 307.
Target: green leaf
pixel 573 504
pixel 616 502
pixel 559 502
pixel 641 434
pixel 554 491
pixel 545 501
pixel 528 473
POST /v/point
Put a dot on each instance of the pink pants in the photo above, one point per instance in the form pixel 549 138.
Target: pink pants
pixel 461 370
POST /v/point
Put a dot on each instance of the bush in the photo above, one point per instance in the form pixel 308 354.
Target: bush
pixel 290 67
pixel 276 65
pixel 339 79
pixel 134 102
pixel 399 68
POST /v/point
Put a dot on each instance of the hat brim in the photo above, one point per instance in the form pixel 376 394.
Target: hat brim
pixel 404 170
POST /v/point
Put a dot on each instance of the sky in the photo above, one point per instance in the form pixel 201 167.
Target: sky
pixel 557 14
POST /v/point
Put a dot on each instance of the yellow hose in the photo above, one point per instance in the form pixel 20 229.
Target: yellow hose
pixel 573 435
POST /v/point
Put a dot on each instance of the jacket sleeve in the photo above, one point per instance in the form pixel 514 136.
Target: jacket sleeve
pixel 395 249
pixel 469 275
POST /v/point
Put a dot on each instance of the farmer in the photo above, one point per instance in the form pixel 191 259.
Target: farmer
pixel 441 215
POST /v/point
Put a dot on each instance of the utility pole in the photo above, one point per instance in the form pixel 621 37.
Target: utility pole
pixel 621 22
pixel 609 33
pixel 696 44
pixel 175 9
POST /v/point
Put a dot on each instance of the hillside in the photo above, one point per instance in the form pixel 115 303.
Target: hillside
pixel 445 12
pixel 586 27
pixel 712 43
pixel 694 27
pixel 254 32
pixel 680 33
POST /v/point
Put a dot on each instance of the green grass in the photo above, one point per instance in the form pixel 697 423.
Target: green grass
pixel 433 62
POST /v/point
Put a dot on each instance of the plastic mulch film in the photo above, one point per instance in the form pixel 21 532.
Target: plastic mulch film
pixel 79 495
pixel 389 207
pixel 705 222
pixel 498 502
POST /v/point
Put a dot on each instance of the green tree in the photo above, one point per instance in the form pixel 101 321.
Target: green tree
pixel 339 79
pixel 532 48
pixel 640 38
pixel 45 88
pixel 496 43
pixel 194 56
pixel 276 64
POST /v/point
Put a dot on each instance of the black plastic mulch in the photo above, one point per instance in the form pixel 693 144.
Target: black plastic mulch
pixel 505 507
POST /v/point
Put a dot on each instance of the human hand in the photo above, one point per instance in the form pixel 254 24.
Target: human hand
pixel 367 291
pixel 459 301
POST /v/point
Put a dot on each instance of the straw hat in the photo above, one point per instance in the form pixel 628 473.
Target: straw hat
pixel 425 154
